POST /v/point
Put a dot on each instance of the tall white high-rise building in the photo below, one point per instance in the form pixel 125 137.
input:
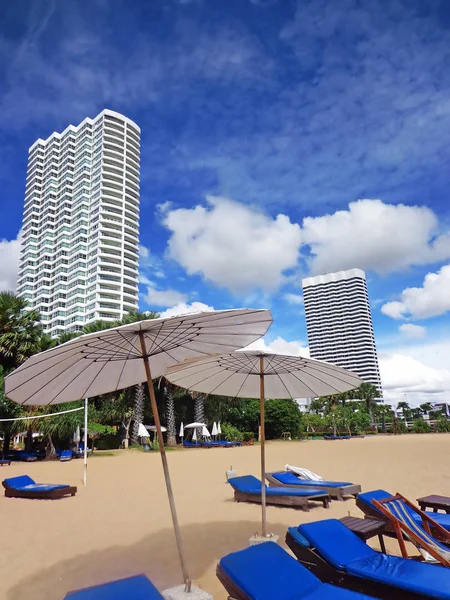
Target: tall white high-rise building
pixel 339 322
pixel 80 233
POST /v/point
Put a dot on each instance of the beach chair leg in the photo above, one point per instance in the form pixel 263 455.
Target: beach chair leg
pixel 381 540
pixel 326 503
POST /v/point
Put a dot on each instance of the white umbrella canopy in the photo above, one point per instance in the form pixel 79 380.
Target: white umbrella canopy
pixel 219 428
pixel 153 428
pixel 205 432
pixel 142 431
pixel 194 435
pixel 214 429
pixel 110 360
pixel 195 425
pixel 76 435
pixel 181 434
pixel 262 375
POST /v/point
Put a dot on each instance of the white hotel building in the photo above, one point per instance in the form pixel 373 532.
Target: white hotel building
pixel 339 322
pixel 80 233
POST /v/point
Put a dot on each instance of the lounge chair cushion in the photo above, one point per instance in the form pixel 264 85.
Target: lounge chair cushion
pixel 20 481
pixel 430 580
pixel 266 572
pixel 24 483
pixel 442 518
pixel 336 543
pixel 249 484
pixel 298 537
pixel 133 588
pixel 291 479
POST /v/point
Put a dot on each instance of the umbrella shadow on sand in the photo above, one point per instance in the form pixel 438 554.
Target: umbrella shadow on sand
pixel 155 555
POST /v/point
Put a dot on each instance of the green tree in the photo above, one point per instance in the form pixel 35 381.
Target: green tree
pixel 368 392
pixel 421 426
pixel 20 331
pixel 406 410
pixel 383 412
pixel 442 425
pixel 315 423
pixel 281 416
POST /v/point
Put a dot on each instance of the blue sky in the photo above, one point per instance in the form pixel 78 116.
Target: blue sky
pixel 280 138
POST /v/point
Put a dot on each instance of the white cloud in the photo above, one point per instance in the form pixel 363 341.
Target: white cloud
pixel 413 373
pixel 375 236
pixel 430 300
pixel 412 331
pixel 280 346
pixel 9 263
pixel 293 298
pixel 184 309
pixel 155 297
pixel 233 245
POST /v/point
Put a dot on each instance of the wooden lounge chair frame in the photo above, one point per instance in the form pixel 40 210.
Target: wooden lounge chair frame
pixel 51 495
pixel 400 528
pixel 4 462
pixel 337 493
pixel 235 593
pixel 292 501
pixel 327 573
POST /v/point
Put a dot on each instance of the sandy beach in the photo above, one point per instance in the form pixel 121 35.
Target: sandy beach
pixel 119 525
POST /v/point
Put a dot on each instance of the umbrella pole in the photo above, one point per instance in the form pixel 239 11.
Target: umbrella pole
pixel 85 440
pixel 263 450
pixel 162 451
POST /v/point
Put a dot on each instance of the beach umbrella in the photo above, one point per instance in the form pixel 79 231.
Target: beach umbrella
pixel 76 435
pixel 153 428
pixel 120 357
pixel 205 432
pixel 194 436
pixel 219 429
pixel 142 431
pixel 181 434
pixel 195 425
pixel 214 429
pixel 264 375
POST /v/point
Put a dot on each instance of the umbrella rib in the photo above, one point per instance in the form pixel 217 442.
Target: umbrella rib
pixel 92 381
pixel 318 379
pixel 51 381
pixel 13 389
pixel 24 367
pixel 335 376
pixel 133 351
pixel 115 345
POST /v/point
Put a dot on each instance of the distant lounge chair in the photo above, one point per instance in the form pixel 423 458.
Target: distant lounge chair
pixel 336 489
pixel 225 444
pixel 267 572
pixel 65 455
pixel 365 502
pixel 188 444
pixel 4 462
pixel 25 487
pixel 23 455
pixel 399 511
pixel 132 588
pixel 336 554
pixel 247 488
pixel 209 445
pixel 336 437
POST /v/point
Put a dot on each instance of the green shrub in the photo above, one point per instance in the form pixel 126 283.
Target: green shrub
pixel 442 425
pixel 231 434
pixel 421 426
pixel 108 442
pixel 248 435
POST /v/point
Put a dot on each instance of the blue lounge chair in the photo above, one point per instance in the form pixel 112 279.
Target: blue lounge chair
pixel 247 488
pixel 188 444
pixel 336 489
pixel 23 455
pixel 422 534
pixel 65 455
pixel 4 462
pixel 225 444
pixel 334 553
pixel 25 487
pixel 267 572
pixel 365 503
pixel 132 588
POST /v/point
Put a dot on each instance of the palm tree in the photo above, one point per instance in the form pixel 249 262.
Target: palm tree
pixel 368 392
pixel 20 331
pixel 169 393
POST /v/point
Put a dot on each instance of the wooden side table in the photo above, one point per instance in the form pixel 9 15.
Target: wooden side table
pixel 366 529
pixel 435 502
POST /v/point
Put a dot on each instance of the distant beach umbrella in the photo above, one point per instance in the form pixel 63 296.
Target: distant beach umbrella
pixel 120 357
pixel 219 429
pixel 194 436
pixel 262 375
pixel 77 436
pixel 181 434
pixel 153 428
pixel 142 431
pixel 214 429
pixel 195 425
pixel 205 432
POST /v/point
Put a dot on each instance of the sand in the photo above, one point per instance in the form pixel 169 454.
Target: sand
pixel 119 525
